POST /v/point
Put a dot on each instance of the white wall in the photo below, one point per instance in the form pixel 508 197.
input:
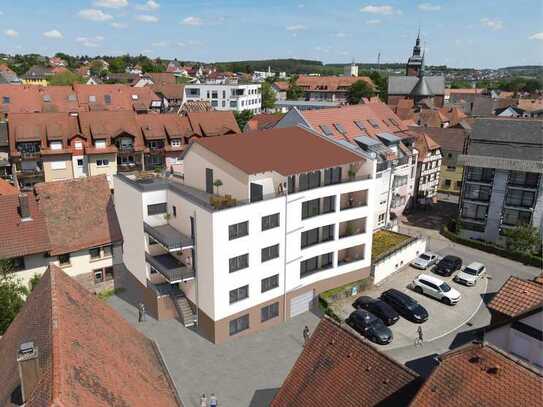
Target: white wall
pixel 398 260
pixel 249 101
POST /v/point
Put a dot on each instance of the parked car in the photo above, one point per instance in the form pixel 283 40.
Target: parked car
pixel 448 265
pixel 404 305
pixel 369 326
pixel 434 287
pixel 425 260
pixel 471 274
pixel 379 308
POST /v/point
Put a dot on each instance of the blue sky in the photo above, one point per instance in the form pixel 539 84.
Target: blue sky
pixel 461 33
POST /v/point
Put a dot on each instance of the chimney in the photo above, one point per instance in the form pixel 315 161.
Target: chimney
pixel 24 206
pixel 29 368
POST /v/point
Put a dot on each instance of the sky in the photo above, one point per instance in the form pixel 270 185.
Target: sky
pixel 457 33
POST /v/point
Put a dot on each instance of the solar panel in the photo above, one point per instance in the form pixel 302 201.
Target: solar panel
pixel 326 130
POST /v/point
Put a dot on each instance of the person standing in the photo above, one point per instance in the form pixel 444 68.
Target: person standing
pixel 141 312
pixel 213 400
pixel 203 400
pixel 306 334
pixel 420 338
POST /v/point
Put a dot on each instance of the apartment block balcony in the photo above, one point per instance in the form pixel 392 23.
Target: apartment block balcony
pixel 173 270
pixel 356 199
pixel 30 155
pixel 169 237
pixel 352 228
pixel 351 255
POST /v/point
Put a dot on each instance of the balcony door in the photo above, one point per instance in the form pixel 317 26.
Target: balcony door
pixel 209 180
pixel 256 192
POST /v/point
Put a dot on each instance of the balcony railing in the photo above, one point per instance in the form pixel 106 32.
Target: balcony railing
pixel 169 237
pixel 170 267
pixel 30 155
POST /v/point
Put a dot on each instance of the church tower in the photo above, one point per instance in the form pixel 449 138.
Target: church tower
pixel 414 64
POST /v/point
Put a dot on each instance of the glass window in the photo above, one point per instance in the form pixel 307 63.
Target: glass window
pixel 157 209
pixel 239 294
pixel 269 311
pixel 238 230
pixel 310 208
pixel 94 253
pixel 98 276
pixel 517 197
pixel 239 324
pixel 107 251
pixel 315 264
pixel 109 273
pixel 332 176
pixel 328 204
pixel 310 237
pixel 270 221
pixel 238 263
pixel 64 259
pixel 269 253
pixel 515 218
pixel 327 233
pixel 474 211
pixel 269 283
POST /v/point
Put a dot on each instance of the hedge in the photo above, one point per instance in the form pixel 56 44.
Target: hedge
pixel 517 256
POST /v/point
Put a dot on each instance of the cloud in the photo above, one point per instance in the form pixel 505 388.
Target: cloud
pixel 160 44
pixel 296 27
pixel 492 23
pixel 429 7
pixel 91 42
pixel 53 34
pixel 383 10
pixel 192 21
pixel 148 6
pixel 111 3
pixel 118 25
pixel 11 33
pixel 341 35
pixel 536 36
pixel 147 18
pixel 93 14
pixel 375 21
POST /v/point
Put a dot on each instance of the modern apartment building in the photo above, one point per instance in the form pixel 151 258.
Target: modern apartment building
pixel 227 96
pixel 376 130
pixel 252 233
pixel 502 185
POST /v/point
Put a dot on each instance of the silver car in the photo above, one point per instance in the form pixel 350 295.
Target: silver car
pixel 425 260
pixel 471 274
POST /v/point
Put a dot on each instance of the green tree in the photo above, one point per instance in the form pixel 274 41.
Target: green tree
pixel 96 68
pixel 532 85
pixel 524 239
pixel 117 65
pixel 243 117
pixel 65 78
pixel 268 96
pixel 460 85
pixel 358 90
pixel 294 91
pixel 12 295
pixel 381 82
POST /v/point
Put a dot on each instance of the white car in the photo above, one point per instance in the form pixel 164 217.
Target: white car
pixel 425 260
pixel 434 287
pixel 471 274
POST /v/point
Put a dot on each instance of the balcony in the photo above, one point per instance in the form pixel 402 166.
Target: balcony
pixel 352 228
pixel 30 155
pixel 355 199
pixel 173 270
pixel 351 255
pixel 169 237
pixel 126 149
pixel 129 167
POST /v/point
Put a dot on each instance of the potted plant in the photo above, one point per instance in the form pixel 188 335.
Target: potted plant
pixel 351 172
pixel 217 183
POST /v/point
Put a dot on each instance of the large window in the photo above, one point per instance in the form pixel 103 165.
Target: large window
pixel 328 204
pixel 310 180
pixel 332 176
pixel 269 253
pixel 528 179
pixel 315 264
pixel 311 208
pixel 269 283
pixel 518 197
pixel 478 174
pixel 317 235
pixel 239 294
pixel 239 324
pixel 327 233
pixel 513 217
pixel 474 211
pixel 64 259
pixel 269 312
pixel 477 192
pixel 270 221
pixel 399 180
pixel 238 230
pixel 238 263
pixel 157 209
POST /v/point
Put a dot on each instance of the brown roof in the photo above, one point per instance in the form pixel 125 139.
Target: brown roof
pixel 164 126
pixel 123 97
pixel 531 105
pixel 108 125
pixel 480 375
pixel 424 144
pixel 281 85
pixel 516 297
pixel 20 237
pixel 192 106
pixel 169 91
pixel 216 123
pixel 330 83
pixel 464 91
pixel 89 355
pixel 451 139
pixel 6 188
pixel 338 368
pixel 79 213
pixel 279 149
pixel 263 121
pixel 161 78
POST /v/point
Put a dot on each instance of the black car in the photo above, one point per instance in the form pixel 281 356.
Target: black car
pixel 368 325
pixel 448 265
pixel 406 306
pixel 379 308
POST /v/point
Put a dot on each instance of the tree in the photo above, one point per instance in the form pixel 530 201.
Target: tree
pixel 268 96
pixel 523 239
pixel 96 68
pixel 381 82
pixel 65 78
pixel 294 91
pixel 12 295
pixel 460 85
pixel 117 65
pixel 358 90
pixel 217 183
pixel 243 117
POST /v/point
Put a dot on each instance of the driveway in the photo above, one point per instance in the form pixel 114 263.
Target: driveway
pixel 442 319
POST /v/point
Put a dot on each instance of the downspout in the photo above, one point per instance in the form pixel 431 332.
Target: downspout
pixel 196 291
pixel 285 256
pixel 389 193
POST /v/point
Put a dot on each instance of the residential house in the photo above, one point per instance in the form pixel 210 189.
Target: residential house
pixel 71 224
pixel 56 61
pixel 337 367
pixel 232 96
pixel 214 123
pixel 117 97
pixel 517 319
pixel 5 165
pixel 252 233
pixel 194 106
pixel 428 169
pixel 37 75
pixel 329 88
pixel 262 121
pixel 156 78
pixel 172 96
pixel 502 185
pixel 67 347
pixel 280 88
pixel 376 130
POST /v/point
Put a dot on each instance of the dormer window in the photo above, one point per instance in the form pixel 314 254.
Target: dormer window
pixel 92 99
pixel 107 99
pixel 100 143
pixel 55 145
pixel 5 100
pixel 373 123
pixel 135 97
pixel 360 125
pixel 46 98
pixel 78 144
pixel 340 128
pixel 71 97
pixel 326 130
pixel 176 142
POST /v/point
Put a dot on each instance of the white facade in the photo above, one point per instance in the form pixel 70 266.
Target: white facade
pixel 235 97
pixel 428 176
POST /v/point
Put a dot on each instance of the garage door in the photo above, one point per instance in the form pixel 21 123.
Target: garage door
pixel 301 303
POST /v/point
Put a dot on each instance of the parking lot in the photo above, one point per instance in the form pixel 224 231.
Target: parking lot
pixel 442 319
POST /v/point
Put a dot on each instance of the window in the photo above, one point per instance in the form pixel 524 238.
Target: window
pixel 328 204
pixel 107 99
pixel 98 276
pixel 78 145
pixel 5 99
pixel 269 311
pixel 176 142
pixel 310 208
pixel 316 264
pixel 310 180
pixel 529 179
pixel 477 192
pixel 399 180
pixel 94 253
pixel 58 165
pixel 373 123
pixel 238 230
pixel 515 218
pixel 107 251
pixel 239 324
pixel 478 174
pixel 56 145
pixel 327 233
pixel 92 99
pixel 239 294
pixel 517 197
pixel 174 211
pixel 215 103
pixel 100 144
pixel 64 259
pixel 448 183
pixel 451 168
pixel 360 125
pixel 269 283
pixel 214 94
pixel 381 218
pixel 157 209
pixel 332 176
pixel 238 263
pixel 80 162
pixel 102 163
pixel 270 221
pixel 458 184
pixel 269 253
pixel 340 128
pixel 474 211
pixel 310 238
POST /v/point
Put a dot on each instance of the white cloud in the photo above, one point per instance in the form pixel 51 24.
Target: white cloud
pixel 111 3
pixel 192 21
pixel 536 36
pixel 91 42
pixel 93 14
pixel 53 34
pixel 296 27
pixel 492 23
pixel 118 25
pixel 160 44
pixel 148 6
pixel 383 10
pixel 11 33
pixel 147 18
pixel 373 22
pixel 429 7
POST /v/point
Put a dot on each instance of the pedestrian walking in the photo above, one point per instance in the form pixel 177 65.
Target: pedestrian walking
pixel 203 401
pixel 306 334
pixel 420 338
pixel 213 400
pixel 141 312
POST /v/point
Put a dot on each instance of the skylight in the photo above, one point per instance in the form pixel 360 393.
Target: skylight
pixel 326 130
pixel 340 128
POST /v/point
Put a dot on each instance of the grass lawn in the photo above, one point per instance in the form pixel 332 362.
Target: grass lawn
pixel 385 240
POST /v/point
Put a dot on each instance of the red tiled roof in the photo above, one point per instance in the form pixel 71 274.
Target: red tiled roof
pixel 6 188
pixel 164 126
pixel 79 213
pixel 480 375
pixel 339 369
pixel 330 83
pixel 278 149
pixel 281 85
pixel 108 125
pixel 424 144
pixel 263 121
pixel 89 355
pixel 193 106
pixel 216 123
pixel 161 78
pixel 516 297
pixel 451 139
pixel 169 91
